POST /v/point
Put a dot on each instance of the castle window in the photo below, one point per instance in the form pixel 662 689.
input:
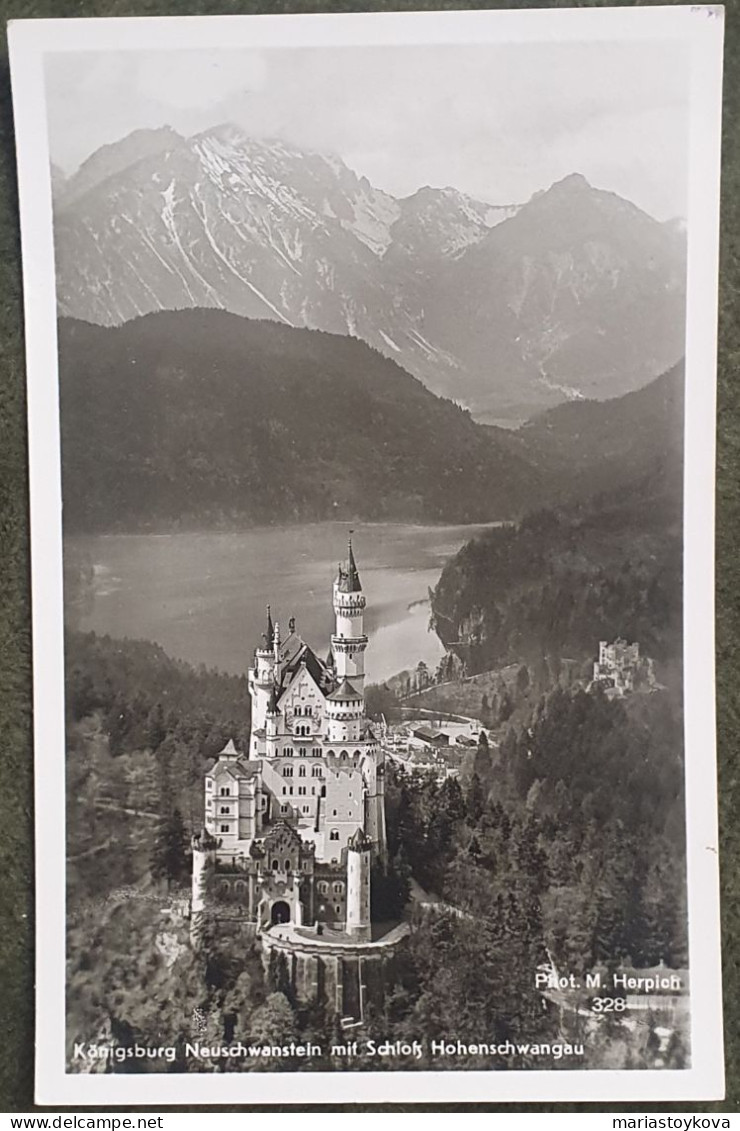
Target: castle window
pixel 334 834
pixel 209 783
pixel 285 790
pixel 338 889
pixel 344 755
pixel 301 790
pixel 334 813
pixel 298 711
pixel 224 828
pixel 306 809
pixel 276 865
pixel 290 790
pixel 284 808
pixel 302 751
pixel 301 771
pixel 225 809
pixel 322 886
pixel 336 908
pixel 287 865
pixel 316 771
pixel 288 752
pixel 225 791
pixel 287 771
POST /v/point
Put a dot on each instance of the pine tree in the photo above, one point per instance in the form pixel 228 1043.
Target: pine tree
pixel 274 1023
pixel 169 857
pixel 475 800
pixel 156 731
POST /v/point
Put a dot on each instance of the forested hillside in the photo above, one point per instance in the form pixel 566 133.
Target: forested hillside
pixel 561 580
pixel 140 728
pixel 584 448
pixel 198 419
pixel 201 418
pixel 568 841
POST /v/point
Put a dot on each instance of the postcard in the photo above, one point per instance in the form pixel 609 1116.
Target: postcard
pixel 371 387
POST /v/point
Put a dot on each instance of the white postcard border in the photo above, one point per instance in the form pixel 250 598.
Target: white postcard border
pixel 701 27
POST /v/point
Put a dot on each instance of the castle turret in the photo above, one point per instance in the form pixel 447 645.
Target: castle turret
pixel 349 641
pixel 345 709
pixel 261 680
pixel 204 863
pixel 359 849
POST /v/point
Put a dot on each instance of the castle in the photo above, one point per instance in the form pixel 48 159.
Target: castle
pixel 620 669
pixel 293 825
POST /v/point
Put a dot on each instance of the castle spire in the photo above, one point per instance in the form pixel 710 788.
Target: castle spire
pixel 270 628
pixel 354 577
pixel 349 577
pixel 349 641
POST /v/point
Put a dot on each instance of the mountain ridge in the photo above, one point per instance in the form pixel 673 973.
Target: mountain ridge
pixel 452 287
pixel 200 418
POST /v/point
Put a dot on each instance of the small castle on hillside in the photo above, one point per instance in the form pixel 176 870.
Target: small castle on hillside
pixel 293 825
pixel 620 669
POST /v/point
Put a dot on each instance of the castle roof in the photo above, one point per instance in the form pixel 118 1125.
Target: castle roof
pixel 315 667
pixel 290 648
pixel 223 770
pixel 345 692
pixel 248 769
pixel 348 579
pixel 359 841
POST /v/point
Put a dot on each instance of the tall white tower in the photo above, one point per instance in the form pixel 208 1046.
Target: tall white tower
pixel 261 680
pixel 358 919
pixel 349 641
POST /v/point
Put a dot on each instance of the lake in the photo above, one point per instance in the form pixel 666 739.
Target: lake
pixel 202 596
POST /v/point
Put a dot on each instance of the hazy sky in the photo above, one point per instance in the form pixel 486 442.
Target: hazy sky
pixel 499 122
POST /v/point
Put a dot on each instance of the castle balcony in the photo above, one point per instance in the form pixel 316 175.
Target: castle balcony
pixel 349 602
pixel 348 645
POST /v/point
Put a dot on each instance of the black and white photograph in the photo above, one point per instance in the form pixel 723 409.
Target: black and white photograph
pixel 371 406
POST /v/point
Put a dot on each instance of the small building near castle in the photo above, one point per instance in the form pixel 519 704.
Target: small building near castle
pixel 621 670
pixel 294 823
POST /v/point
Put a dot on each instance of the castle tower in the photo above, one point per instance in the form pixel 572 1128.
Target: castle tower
pixel 349 642
pixel 204 862
pixel 359 848
pixel 345 710
pixel 261 680
pixel 375 805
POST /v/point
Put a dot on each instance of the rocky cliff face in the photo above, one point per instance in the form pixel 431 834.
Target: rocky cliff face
pixel 507 309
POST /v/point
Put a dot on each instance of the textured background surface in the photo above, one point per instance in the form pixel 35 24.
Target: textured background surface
pixel 16 779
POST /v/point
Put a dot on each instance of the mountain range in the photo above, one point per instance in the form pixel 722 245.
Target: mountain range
pixel 200 418
pixel 507 309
